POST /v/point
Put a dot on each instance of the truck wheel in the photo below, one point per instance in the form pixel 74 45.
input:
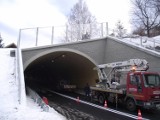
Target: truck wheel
pixel 131 106
pixel 101 99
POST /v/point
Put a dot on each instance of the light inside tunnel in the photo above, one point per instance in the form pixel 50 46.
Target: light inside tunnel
pixel 48 70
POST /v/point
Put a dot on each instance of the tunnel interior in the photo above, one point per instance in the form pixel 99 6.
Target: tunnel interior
pixel 52 68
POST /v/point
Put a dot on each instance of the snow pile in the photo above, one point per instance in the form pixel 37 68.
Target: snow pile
pixel 10 109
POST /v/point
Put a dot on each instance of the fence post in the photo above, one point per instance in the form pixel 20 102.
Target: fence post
pixel 141 41
pixel 90 29
pixel 36 36
pixel 79 32
pixel 52 37
pixel 102 29
pixel 106 28
pixel 66 32
pixel 19 38
pixel 154 44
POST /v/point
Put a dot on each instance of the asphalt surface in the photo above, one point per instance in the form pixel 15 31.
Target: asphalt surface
pixel 79 111
pixel 74 110
pixel 148 114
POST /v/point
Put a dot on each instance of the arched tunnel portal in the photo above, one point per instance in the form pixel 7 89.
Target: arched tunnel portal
pixel 50 68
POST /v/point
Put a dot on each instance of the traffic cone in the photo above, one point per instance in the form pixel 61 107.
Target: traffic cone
pixel 45 100
pixel 105 104
pixel 77 99
pixel 139 115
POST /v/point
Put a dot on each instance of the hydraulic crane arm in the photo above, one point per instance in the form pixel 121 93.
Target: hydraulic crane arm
pixel 138 64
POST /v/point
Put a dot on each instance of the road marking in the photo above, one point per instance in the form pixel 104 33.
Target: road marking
pixel 100 107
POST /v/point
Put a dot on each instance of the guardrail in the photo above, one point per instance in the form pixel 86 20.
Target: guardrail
pixel 20 76
pixel 37 99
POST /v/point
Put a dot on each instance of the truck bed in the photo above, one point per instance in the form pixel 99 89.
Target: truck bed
pixel 120 91
pixel 69 86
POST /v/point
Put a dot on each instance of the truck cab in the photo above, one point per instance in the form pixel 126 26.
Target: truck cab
pixel 143 89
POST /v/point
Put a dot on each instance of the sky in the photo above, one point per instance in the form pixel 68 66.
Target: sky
pixel 18 14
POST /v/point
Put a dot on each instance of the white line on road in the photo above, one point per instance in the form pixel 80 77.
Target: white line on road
pixel 100 107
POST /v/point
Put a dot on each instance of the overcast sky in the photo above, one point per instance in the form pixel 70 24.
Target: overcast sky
pixel 16 14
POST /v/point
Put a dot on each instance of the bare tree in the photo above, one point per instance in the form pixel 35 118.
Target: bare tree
pixel 80 22
pixel 139 31
pixel 156 4
pixel 145 15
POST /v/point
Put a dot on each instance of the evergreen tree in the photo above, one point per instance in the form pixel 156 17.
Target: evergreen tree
pixel 120 29
pixel 1 44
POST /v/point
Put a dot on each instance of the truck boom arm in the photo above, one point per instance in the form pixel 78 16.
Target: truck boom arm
pixel 140 64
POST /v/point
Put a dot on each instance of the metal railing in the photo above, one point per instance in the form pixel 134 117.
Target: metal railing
pixel 149 43
pixel 39 36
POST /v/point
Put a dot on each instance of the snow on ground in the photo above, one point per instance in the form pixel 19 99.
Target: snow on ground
pixel 150 44
pixel 144 41
pixel 10 109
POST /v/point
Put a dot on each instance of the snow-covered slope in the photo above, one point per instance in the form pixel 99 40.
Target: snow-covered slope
pixel 145 42
pixel 8 83
pixel 10 109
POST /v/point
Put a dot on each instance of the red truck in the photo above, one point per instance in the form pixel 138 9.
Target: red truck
pixel 128 83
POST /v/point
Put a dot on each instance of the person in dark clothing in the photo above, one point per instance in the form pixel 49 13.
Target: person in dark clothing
pixel 87 90
pixel 113 79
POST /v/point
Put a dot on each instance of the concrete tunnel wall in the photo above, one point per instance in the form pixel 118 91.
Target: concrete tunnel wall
pixel 92 48
pixel 98 51
pixel 50 67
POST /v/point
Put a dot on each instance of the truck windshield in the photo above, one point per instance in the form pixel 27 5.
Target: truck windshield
pixel 152 80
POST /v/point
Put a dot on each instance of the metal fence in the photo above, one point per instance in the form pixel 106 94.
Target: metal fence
pixel 39 36
pixel 148 43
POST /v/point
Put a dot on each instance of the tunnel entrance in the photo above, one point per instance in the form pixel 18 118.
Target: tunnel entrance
pixel 50 69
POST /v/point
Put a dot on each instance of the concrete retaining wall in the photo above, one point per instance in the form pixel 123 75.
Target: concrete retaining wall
pixel 116 50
